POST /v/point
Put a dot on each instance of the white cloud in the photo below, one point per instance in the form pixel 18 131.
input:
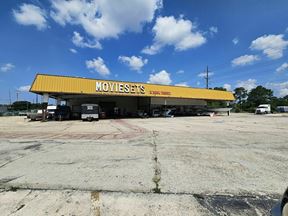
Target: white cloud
pixel 271 45
pixel 79 41
pixel 180 33
pixel 24 88
pixel 281 89
pixel 213 30
pixel 161 77
pixel 105 18
pixel 204 74
pixel 180 72
pixel 227 86
pixel 282 68
pixel 244 60
pixel 29 14
pixel 247 84
pixel 7 67
pixel 73 50
pixel 198 83
pixel 98 65
pixel 185 84
pixel 134 63
pixel 235 41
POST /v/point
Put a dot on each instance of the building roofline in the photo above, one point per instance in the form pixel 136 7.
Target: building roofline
pixel 75 77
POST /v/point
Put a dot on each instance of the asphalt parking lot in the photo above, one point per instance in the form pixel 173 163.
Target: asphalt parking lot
pixel 222 165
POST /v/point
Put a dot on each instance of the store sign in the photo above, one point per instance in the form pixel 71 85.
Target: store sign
pixel 113 87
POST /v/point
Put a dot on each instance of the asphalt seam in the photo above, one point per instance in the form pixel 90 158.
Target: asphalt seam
pixel 8 188
pixel 156 164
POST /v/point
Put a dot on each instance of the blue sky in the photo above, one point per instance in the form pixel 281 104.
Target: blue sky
pixel 244 43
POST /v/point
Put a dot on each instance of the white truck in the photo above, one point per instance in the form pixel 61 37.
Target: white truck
pixel 90 112
pixel 263 109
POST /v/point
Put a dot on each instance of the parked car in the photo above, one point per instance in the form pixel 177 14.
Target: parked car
pixel 155 113
pixel 35 115
pixel 281 209
pixel 90 112
pixel 62 113
pixel 142 114
pixel 167 113
pixel 51 111
pixel 23 113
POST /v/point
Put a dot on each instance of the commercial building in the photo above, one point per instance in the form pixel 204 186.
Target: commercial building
pixel 126 97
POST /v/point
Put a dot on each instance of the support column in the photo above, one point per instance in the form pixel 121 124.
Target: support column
pixel 45 100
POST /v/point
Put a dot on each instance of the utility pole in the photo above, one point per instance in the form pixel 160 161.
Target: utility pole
pixel 17 95
pixel 207 78
pixel 9 97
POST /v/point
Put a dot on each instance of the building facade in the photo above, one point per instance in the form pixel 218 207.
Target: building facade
pixel 126 97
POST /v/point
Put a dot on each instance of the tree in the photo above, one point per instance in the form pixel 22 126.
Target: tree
pixel 21 105
pixel 259 95
pixel 220 89
pixel 240 94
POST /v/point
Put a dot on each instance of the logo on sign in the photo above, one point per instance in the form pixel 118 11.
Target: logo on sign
pixel 120 88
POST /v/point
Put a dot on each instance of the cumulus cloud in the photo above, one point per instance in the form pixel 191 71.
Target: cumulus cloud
pixel 184 84
pixel 180 33
pixel 281 89
pixel 98 65
pixel 105 18
pixel 213 30
pixel 79 41
pixel 235 41
pixel 247 84
pixel 271 45
pixel 282 68
pixel 29 14
pixel 244 60
pixel 24 88
pixel 7 67
pixel 161 77
pixel 227 86
pixel 204 74
pixel 73 50
pixel 134 63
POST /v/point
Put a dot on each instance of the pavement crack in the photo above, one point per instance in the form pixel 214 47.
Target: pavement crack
pixel 11 161
pixel 156 164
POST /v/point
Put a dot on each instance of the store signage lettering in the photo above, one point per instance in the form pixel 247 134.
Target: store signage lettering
pixel 120 87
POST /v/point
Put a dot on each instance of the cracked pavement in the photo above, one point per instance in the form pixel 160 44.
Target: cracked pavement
pixel 234 165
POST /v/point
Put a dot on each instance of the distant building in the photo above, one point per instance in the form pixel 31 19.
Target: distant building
pixel 3 108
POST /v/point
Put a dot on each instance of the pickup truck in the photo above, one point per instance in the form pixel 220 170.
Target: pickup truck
pixel 35 115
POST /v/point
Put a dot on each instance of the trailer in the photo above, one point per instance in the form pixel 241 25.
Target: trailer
pixel 282 109
pixel 90 112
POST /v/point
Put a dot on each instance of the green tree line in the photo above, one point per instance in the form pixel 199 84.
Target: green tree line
pixel 247 101
pixel 24 105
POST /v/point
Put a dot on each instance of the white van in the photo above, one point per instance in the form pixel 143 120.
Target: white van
pixel 263 109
